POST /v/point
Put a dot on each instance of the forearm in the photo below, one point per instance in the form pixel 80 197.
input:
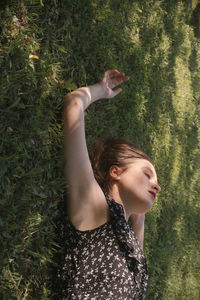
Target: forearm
pixel 75 103
pixel 77 168
pixel 137 224
pixel 84 96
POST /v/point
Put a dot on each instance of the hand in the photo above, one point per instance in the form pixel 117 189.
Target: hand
pixel 100 90
pixel 137 220
pixel 137 224
pixel 110 80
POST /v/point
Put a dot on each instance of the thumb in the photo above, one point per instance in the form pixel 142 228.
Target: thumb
pixel 116 92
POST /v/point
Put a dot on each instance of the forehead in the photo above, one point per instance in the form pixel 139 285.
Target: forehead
pixel 145 164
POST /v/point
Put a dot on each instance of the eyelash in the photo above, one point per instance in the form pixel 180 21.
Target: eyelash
pixel 147 175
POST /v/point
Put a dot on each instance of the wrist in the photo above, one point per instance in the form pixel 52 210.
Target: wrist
pixel 137 219
pixel 86 95
pixel 96 91
pixel 137 216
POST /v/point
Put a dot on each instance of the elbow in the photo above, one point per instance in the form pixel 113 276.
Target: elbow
pixel 68 99
pixel 72 103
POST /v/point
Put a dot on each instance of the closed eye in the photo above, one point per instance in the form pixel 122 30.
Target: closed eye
pixel 147 175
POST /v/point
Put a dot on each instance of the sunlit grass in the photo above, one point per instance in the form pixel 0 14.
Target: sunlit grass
pixel 194 3
pixel 49 48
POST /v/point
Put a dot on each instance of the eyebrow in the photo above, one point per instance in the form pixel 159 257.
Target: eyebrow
pixel 147 168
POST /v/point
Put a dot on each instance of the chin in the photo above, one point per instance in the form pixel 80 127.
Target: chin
pixel 144 207
pixel 149 206
pixel 141 205
pixel 142 210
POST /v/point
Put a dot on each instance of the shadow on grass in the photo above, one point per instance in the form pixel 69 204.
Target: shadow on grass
pixel 86 40
pixel 167 242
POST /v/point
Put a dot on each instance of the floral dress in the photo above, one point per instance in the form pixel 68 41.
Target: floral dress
pixel 103 263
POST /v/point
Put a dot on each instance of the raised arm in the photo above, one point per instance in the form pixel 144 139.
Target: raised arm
pixel 137 224
pixel 87 207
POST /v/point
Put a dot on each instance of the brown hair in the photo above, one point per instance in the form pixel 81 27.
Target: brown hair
pixel 112 151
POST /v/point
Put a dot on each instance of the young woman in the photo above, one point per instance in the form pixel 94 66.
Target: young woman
pixel 103 253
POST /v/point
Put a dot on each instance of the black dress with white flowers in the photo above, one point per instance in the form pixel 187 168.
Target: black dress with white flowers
pixel 103 263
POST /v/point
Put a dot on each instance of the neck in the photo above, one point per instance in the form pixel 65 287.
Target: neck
pixel 115 195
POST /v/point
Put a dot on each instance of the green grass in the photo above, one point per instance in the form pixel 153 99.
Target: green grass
pixel 48 48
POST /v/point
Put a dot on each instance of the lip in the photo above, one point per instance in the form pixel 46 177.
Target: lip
pixel 153 194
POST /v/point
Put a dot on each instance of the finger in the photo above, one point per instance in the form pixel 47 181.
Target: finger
pixel 115 74
pixel 111 72
pixel 123 77
pixel 119 76
pixel 116 92
pixel 118 80
pixel 114 77
pixel 126 77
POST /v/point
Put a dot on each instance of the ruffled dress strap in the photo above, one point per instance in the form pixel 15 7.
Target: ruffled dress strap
pixel 129 243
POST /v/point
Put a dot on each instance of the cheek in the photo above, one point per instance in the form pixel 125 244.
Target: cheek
pixel 141 185
pixel 140 180
pixel 137 182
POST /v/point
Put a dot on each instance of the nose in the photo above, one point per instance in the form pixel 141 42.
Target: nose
pixel 156 187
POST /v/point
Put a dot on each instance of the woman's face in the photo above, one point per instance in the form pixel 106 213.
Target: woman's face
pixel 138 185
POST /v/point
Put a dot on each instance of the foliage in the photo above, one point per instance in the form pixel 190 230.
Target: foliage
pixel 48 48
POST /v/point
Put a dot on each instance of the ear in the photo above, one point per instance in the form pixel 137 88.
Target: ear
pixel 114 172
